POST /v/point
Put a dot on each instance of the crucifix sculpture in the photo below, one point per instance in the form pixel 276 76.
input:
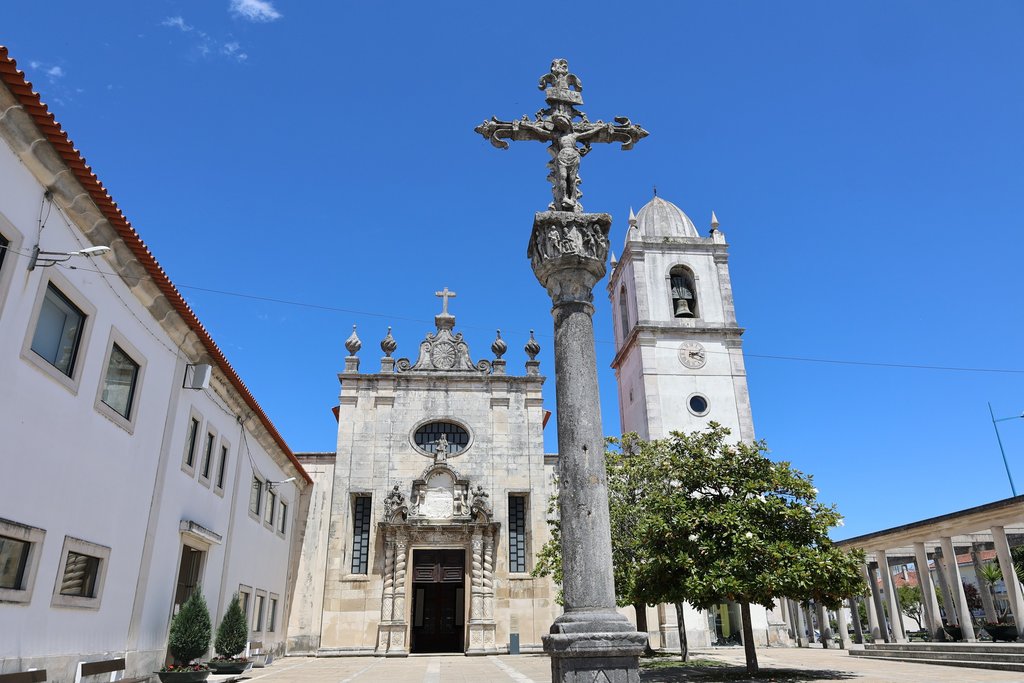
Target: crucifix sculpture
pixel 568 250
pixel 445 295
pixel 570 139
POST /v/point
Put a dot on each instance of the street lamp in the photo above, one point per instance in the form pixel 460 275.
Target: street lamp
pixel 45 259
pixel 1000 440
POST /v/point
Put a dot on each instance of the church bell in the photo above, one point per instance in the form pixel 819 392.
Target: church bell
pixel 683 308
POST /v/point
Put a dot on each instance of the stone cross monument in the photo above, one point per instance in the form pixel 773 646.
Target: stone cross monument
pixel 568 249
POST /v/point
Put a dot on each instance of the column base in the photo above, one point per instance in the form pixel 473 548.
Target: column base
pixel 482 638
pixel 585 650
pixel 391 640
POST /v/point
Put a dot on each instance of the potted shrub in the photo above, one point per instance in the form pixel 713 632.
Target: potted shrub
pixel 1001 631
pixel 232 635
pixel 189 640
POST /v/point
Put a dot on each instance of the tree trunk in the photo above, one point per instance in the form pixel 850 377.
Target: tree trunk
pixel 641 626
pixel 684 648
pixel 748 639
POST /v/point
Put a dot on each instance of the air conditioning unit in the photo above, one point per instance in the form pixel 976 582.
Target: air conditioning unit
pixel 197 376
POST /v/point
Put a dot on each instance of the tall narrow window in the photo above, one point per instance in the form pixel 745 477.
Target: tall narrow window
pixel 684 292
pixel 204 471
pixel 272 614
pixel 361 535
pixel 623 313
pixel 256 496
pixel 58 331
pixel 517 534
pixel 119 382
pixel 282 523
pixel 13 560
pixel 221 465
pixel 4 244
pixel 190 442
pixel 80 572
pixel 271 507
pixel 257 614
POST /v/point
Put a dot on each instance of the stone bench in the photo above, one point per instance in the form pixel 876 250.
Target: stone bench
pixel 114 667
pixel 34 676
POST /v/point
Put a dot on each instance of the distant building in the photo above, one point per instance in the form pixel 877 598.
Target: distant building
pixel 130 476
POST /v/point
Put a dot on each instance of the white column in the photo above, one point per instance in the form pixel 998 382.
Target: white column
pixel 824 626
pixel 931 603
pixel 879 630
pixel 942 581
pixel 844 627
pixel 858 628
pixel 895 623
pixel 949 555
pixel 801 625
pixel 1013 591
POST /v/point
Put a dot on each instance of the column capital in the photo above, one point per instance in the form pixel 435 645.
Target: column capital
pixel 568 252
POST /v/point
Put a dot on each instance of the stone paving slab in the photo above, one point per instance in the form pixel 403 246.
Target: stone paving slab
pixel 782 665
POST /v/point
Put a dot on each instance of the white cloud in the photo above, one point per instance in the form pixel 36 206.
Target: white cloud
pixel 255 10
pixel 234 50
pixel 55 72
pixel 176 22
pixel 34 64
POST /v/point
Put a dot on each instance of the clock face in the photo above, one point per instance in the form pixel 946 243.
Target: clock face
pixel 692 354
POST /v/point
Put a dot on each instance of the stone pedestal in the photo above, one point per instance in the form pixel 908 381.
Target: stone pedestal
pixel 591 641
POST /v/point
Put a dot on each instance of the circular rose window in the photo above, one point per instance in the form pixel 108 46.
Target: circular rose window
pixel 428 435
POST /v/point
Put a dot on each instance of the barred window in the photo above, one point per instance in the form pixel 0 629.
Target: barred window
pixel 361 535
pixel 427 435
pixel 517 533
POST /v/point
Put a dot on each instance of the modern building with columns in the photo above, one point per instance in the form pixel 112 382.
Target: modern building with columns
pixel 933 546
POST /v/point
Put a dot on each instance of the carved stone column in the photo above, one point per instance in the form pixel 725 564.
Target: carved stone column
pixel 387 603
pixel 590 639
pixel 481 611
pixel 398 626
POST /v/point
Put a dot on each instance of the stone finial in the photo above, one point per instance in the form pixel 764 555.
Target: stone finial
pixel 714 222
pixel 388 344
pixel 532 348
pixel 352 343
pixel 499 347
pixel 632 217
pixel 614 259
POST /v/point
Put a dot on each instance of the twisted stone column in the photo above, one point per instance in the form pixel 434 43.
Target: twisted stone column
pixel 590 639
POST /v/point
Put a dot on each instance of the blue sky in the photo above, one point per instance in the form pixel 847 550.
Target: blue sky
pixel 864 160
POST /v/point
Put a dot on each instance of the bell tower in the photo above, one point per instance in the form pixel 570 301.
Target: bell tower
pixel 678 354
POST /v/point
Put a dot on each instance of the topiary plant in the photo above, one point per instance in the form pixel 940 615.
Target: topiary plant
pixel 232 633
pixel 190 629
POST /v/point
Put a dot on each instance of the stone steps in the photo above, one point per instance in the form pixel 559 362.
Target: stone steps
pixel 1009 657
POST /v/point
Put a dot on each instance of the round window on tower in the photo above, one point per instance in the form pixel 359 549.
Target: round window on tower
pixel 698 404
pixel 453 437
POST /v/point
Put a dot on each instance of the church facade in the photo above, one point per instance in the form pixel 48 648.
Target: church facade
pixel 426 519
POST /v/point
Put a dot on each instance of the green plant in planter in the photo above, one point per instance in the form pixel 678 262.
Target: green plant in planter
pixel 190 630
pixel 232 633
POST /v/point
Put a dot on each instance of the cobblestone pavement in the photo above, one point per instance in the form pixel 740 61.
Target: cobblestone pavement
pixel 783 665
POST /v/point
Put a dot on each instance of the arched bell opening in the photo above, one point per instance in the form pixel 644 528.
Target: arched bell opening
pixel 683 289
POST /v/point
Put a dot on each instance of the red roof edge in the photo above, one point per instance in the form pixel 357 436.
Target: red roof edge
pixel 58 138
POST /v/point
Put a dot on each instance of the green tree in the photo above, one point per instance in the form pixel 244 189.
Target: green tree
pixel 190 629
pixel 992 574
pixel 910 602
pixel 232 633
pixel 699 519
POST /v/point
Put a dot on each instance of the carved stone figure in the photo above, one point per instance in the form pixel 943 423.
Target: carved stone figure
pixel 441 449
pixel 417 500
pixel 480 508
pixel 570 140
pixel 461 503
pixel 395 506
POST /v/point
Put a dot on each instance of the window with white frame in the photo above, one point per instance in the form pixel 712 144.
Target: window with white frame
pixel 82 568
pixel 20 547
pixel 120 381
pixel 58 332
pixel 191 437
pixel 244 598
pixel 282 520
pixel 255 496
pixel 271 508
pixel 204 469
pixel 272 613
pixel 221 465
pixel 257 611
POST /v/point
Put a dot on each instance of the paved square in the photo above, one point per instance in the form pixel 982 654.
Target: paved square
pixel 826 665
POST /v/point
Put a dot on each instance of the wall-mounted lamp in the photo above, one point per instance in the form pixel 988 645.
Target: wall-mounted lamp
pixel 45 259
pixel 272 484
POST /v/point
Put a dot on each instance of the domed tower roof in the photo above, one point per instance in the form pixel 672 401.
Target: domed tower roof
pixel 659 218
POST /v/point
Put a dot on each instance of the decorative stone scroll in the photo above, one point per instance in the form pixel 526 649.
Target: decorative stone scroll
pixel 443 350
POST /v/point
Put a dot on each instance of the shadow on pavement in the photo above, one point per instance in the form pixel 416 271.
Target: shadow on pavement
pixel 673 674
